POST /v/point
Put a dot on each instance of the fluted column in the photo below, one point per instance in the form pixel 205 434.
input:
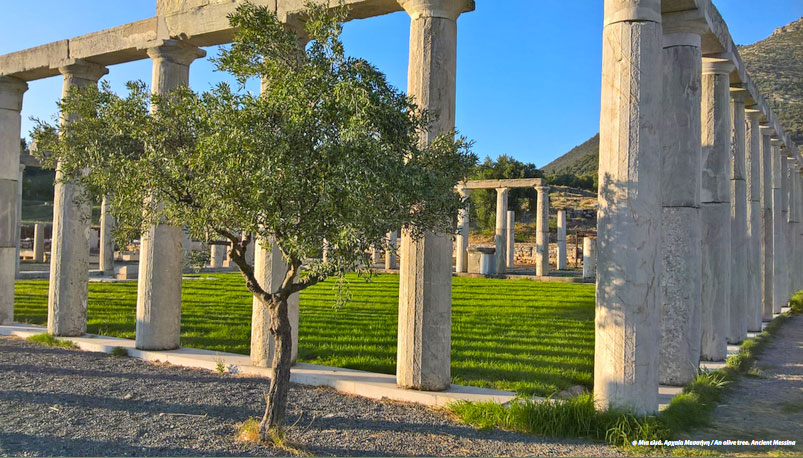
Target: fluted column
pixel 561 254
pixel 500 238
pixel 159 286
pixel 217 254
pixel 461 239
pixel 626 325
pixel 39 243
pixel 798 234
pixel 270 270
pixel 106 256
pixel 69 253
pixel 715 208
pixel 542 231
pixel 589 257
pixel 753 179
pixel 766 223
pixel 11 91
pixel 390 254
pixel 680 293
pixel 779 274
pixel 425 306
pixel 739 290
pixel 791 226
pixel 18 222
pixel 510 237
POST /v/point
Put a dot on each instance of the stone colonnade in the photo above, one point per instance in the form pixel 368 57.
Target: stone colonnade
pixel 662 76
pixel 713 247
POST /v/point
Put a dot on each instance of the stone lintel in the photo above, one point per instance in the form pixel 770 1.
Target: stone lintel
pixel 503 183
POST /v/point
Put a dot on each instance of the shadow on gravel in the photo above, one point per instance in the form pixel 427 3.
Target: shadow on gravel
pixel 126 405
pixel 17 444
pixel 64 371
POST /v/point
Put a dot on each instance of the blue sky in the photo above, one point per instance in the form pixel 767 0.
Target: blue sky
pixel 528 70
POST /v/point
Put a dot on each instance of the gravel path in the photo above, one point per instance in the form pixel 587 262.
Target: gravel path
pixel 767 407
pixel 69 402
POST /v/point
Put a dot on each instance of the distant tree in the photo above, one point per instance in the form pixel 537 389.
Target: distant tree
pixel 329 151
pixel 483 202
pixel 587 181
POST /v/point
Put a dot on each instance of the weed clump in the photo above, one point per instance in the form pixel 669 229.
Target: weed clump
pixel 50 341
pixel 119 352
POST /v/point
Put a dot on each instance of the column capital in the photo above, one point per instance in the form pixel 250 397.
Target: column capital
pixel 681 29
pixel 767 130
pixel 174 51
pixel 631 11
pixel 754 116
pixel 738 94
pixel 11 90
pixel 776 142
pixel 717 66
pixel 83 69
pixel 541 188
pixel 502 190
pixel 449 9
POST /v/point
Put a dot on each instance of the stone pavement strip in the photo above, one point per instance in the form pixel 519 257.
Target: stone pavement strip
pixel 765 407
pixel 57 402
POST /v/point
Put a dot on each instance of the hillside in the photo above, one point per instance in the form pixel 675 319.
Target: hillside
pixel 775 64
pixel 580 160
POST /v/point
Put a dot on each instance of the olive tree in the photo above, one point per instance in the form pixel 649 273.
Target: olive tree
pixel 328 153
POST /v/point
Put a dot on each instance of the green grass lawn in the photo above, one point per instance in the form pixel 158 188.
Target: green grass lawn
pixel 530 337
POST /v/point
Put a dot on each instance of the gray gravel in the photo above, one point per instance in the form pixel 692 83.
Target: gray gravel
pixel 74 403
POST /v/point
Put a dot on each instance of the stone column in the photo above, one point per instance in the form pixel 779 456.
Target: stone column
pixel 680 293
pixel 217 253
pixel 69 252
pixel 626 324
pixel 159 286
pixel 501 230
pixel 753 175
pixel 791 226
pixel 739 290
pixel 11 90
pixel 562 257
pixel 461 239
pixel 390 255
pixel 510 224
pixel 106 256
pixel 423 359
pixel 18 222
pixel 377 253
pixel 270 270
pixel 799 232
pixel 715 208
pixel 779 274
pixel 249 250
pixel 589 257
pixel 38 243
pixel 542 232
pixel 766 223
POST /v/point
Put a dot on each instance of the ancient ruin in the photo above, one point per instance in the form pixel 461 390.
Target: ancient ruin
pixel 699 194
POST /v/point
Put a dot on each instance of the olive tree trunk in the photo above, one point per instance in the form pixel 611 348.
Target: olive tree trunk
pixel 276 408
